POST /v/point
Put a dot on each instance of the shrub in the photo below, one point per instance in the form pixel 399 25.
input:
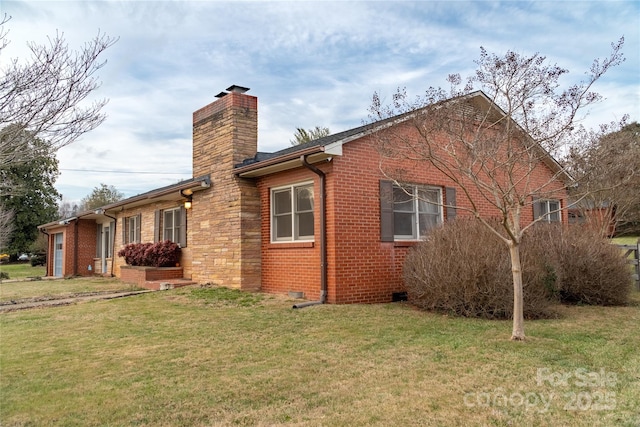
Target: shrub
pixel 591 270
pixel 38 259
pixel 163 254
pixel 133 254
pixel 160 254
pixel 463 268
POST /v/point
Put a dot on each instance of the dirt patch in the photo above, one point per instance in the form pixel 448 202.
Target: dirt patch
pixel 64 299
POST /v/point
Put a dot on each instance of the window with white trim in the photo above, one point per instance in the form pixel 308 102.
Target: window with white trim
pixel 171 224
pixel 548 210
pixel 132 229
pixel 292 213
pixel 416 210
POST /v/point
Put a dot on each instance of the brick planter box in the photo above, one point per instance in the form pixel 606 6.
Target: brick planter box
pixel 140 275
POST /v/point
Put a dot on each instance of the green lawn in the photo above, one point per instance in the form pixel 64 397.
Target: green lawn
pixel 626 240
pixel 215 357
pixel 22 270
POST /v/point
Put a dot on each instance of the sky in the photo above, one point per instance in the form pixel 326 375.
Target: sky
pixel 309 63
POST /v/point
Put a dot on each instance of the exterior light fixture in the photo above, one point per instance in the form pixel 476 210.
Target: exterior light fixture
pixel 188 203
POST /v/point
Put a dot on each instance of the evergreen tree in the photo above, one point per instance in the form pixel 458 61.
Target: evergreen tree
pixel 302 135
pixel 34 200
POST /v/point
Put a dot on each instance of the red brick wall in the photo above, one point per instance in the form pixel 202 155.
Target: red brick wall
pixel 289 266
pixel 139 275
pixel 77 254
pixel 86 246
pixel 361 268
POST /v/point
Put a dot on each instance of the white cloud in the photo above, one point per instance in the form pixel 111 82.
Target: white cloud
pixel 309 63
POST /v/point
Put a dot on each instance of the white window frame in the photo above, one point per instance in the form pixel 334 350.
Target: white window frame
pixel 413 190
pixel 547 213
pixel 293 214
pixel 175 225
pixel 132 229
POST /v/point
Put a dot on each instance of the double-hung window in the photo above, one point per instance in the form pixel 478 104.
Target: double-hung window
pixel 292 213
pixel 171 224
pixel 416 210
pixel 131 229
pixel 548 210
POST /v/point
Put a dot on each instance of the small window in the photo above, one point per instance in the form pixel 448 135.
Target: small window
pixel 292 213
pixel 132 229
pixel 171 225
pixel 547 210
pixel 416 210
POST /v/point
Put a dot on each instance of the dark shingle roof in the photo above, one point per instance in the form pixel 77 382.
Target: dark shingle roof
pixel 321 142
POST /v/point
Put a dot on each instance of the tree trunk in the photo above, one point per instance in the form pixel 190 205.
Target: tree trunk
pixel 518 300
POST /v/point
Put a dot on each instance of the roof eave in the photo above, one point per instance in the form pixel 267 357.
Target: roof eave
pixel 197 184
pixel 177 191
pixel 281 163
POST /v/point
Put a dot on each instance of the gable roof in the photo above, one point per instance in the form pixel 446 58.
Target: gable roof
pixel 326 147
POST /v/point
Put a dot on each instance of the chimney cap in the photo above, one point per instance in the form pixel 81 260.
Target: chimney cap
pixel 237 89
pixel 222 94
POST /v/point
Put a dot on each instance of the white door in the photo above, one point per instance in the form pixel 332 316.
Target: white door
pixel 106 246
pixel 57 254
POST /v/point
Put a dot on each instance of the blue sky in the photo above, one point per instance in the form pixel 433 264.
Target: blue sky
pixel 309 63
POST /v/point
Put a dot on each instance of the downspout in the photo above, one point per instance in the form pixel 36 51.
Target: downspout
pixel 323 237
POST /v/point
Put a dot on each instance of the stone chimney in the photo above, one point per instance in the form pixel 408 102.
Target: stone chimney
pixel 225 131
pixel 224 222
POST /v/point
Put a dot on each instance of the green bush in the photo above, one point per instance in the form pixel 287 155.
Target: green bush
pixel 463 268
pixel 38 259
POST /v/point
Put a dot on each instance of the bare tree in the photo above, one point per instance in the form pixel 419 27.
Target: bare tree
pixel 493 142
pixel 101 195
pixel 67 208
pixel 607 168
pixel 45 95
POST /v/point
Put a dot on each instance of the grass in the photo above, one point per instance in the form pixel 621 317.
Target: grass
pixel 625 240
pixel 628 240
pixel 213 356
pixel 22 270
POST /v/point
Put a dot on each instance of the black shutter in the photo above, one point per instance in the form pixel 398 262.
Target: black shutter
pixel 156 226
pixel 138 236
pixel 537 208
pixel 450 194
pixel 386 211
pixel 182 237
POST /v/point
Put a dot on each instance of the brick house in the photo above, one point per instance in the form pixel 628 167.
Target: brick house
pixel 312 218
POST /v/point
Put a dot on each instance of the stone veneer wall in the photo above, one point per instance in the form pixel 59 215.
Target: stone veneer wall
pixel 224 231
